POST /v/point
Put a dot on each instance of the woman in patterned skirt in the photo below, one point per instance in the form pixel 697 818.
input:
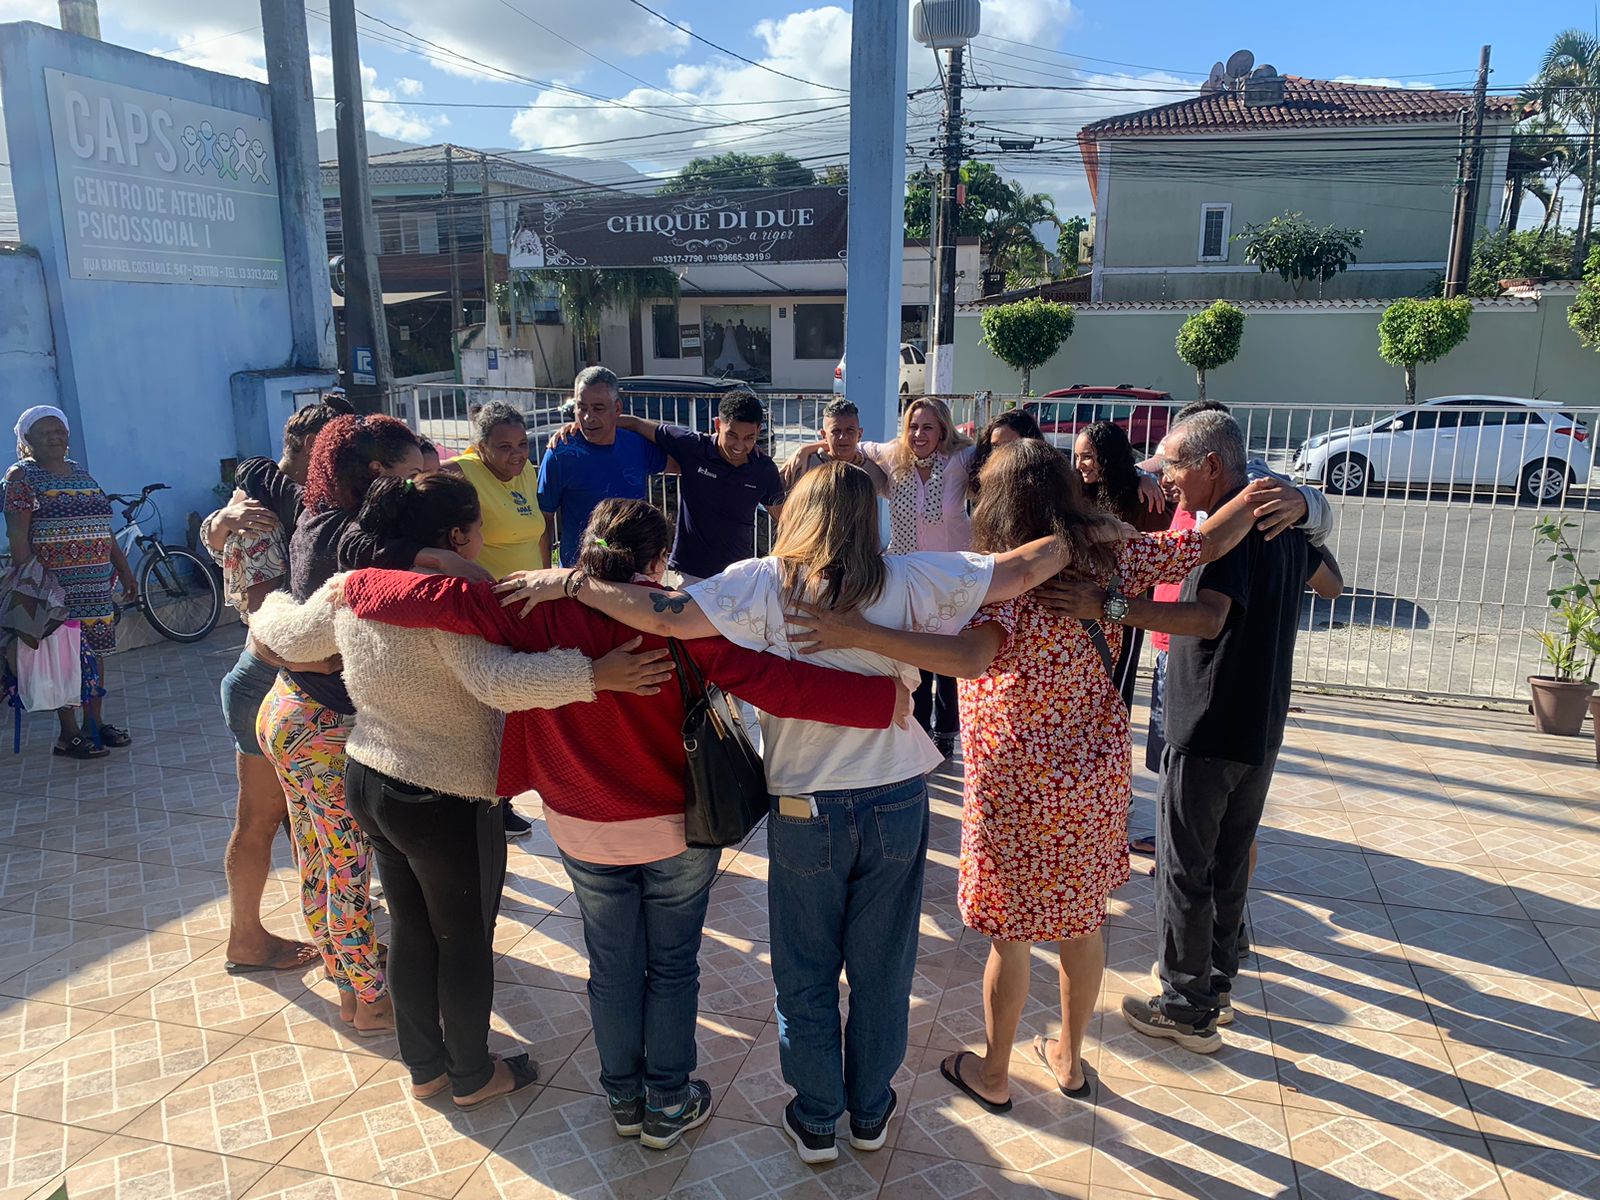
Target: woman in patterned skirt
pixel 1044 822
pixel 57 513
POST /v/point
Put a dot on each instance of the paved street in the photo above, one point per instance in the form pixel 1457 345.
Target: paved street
pixel 1420 1015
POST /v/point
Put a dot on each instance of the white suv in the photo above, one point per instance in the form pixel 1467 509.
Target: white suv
pixel 913 372
pixel 1457 441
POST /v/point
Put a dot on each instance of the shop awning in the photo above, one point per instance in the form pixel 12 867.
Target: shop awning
pixel 390 299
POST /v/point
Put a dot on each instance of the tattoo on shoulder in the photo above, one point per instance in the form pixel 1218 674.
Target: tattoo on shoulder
pixel 675 603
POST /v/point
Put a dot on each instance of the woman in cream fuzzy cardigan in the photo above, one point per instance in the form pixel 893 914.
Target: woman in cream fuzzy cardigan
pixel 421 782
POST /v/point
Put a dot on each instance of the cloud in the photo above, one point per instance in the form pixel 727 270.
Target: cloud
pixel 43 11
pixel 408 87
pixel 1033 21
pixel 1383 81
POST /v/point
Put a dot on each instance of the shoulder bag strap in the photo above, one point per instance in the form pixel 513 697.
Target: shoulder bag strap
pixel 686 672
pixel 1098 636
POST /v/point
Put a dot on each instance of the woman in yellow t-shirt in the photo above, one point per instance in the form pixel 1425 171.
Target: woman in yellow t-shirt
pixel 516 536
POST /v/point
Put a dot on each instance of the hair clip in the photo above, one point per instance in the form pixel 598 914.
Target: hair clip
pixel 602 543
pixel 410 485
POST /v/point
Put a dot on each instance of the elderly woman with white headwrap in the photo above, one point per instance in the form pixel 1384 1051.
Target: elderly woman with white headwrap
pixel 57 513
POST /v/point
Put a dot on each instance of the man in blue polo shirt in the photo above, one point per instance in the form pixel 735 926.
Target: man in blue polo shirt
pixel 601 462
pixel 721 482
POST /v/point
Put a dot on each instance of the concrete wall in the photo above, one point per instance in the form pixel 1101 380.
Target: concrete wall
pixel 146 369
pixel 1391 182
pixel 27 350
pixel 1306 354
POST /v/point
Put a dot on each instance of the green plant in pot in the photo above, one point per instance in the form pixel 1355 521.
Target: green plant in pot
pixel 1572 647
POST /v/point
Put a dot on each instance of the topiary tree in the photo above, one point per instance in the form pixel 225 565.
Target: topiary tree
pixel 1584 316
pixel 1027 334
pixel 1211 339
pixel 1422 331
pixel 1298 250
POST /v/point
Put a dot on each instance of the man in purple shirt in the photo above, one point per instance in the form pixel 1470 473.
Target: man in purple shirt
pixel 721 482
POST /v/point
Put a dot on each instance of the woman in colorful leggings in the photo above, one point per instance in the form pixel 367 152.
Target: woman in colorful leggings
pixel 306 720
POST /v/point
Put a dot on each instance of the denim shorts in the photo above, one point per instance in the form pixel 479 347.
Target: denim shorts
pixel 243 690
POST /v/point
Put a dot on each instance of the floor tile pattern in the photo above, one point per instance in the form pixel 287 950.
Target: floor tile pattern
pixel 1419 1016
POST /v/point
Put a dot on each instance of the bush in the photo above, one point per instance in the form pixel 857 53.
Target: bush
pixel 1422 331
pixel 1211 339
pixel 1027 334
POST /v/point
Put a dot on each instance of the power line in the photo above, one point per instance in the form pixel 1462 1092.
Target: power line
pixel 734 53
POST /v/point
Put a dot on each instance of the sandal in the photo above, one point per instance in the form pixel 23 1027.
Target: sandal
pixel 1142 843
pixel 1041 1051
pixel 950 1068
pixel 524 1074
pixel 296 956
pixel 112 735
pixel 79 747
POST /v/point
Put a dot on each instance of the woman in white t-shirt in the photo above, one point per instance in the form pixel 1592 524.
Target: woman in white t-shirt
pixel 848 834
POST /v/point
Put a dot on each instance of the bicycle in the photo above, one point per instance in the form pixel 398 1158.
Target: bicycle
pixel 178 592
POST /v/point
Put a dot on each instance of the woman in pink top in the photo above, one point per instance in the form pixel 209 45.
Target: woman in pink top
pixel 928 467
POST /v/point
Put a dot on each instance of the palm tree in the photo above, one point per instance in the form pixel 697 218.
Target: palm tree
pixel 1569 91
pixel 1009 242
pixel 585 295
pixel 1542 159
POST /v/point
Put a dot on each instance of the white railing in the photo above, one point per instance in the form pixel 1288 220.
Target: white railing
pixel 1445 583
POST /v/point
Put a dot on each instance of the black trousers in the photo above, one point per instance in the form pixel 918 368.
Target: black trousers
pixel 442 860
pixel 934 705
pixel 1208 810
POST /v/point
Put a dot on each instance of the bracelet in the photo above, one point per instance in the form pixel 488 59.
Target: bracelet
pixel 573 585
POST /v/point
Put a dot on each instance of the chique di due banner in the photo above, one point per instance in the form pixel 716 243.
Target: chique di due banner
pixel 767 225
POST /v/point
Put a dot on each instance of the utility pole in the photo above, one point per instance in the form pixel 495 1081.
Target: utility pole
pixel 455 257
pixel 1469 171
pixel 491 316
pixel 944 307
pixel 366 334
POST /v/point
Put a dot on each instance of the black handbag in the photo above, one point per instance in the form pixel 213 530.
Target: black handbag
pixel 725 795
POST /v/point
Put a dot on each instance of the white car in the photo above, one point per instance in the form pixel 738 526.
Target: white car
pixel 913 372
pixel 1456 441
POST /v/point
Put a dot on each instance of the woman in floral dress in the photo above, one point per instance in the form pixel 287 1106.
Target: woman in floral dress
pixel 57 513
pixel 1044 826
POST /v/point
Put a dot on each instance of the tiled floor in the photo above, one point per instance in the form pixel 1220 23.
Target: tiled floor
pixel 1420 1016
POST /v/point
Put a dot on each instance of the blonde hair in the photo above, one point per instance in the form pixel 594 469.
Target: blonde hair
pixel 827 546
pixel 901 459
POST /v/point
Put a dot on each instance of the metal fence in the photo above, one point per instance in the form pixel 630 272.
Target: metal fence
pixel 1435 510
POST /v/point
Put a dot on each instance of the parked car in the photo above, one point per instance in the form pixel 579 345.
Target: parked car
pixel 1062 415
pixel 913 372
pixel 1456 441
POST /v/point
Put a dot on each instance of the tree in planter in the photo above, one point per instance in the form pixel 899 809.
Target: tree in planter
pixel 1573 648
pixel 1211 339
pixel 1584 316
pixel 1422 331
pixel 1298 250
pixel 1027 334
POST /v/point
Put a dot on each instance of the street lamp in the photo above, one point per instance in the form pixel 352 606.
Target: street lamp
pixel 946 25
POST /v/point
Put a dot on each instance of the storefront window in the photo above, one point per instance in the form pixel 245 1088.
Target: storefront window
pixel 737 341
pixel 819 331
pixel 664 322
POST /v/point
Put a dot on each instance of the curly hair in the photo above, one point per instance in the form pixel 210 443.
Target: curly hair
pixel 1020 421
pixel 1030 491
pixel 342 455
pixel 1118 490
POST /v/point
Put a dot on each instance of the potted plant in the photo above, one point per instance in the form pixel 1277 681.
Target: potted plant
pixel 1561 698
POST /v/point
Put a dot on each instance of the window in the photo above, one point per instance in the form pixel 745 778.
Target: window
pixel 905 355
pixel 664 323
pixel 404 233
pixel 1215 220
pixel 819 331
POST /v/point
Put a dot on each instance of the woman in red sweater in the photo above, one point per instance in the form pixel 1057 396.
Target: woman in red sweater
pixel 641 890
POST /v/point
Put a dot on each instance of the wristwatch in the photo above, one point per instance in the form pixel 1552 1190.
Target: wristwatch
pixel 1116 606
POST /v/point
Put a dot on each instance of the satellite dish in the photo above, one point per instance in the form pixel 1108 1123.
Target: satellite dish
pixel 1239 64
pixel 1217 79
pixel 1265 71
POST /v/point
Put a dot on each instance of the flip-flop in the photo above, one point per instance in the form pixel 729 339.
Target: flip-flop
pixel 304 956
pixel 1082 1092
pixel 524 1074
pixel 1136 844
pixel 951 1070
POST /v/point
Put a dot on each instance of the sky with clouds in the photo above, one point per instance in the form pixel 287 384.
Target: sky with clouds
pixel 602 79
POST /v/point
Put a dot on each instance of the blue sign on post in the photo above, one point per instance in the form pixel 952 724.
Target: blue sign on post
pixel 494 359
pixel 361 368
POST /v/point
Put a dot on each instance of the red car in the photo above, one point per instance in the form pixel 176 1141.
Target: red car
pixel 1063 414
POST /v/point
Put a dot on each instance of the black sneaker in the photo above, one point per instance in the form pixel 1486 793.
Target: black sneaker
pixel 872 1137
pixel 663 1129
pixel 627 1115
pixel 812 1147
pixel 945 743
pixel 517 825
pixel 1146 1016
pixel 1224 997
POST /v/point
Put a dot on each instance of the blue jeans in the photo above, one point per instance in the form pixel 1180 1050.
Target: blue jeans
pixel 642 927
pixel 846 891
pixel 243 689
